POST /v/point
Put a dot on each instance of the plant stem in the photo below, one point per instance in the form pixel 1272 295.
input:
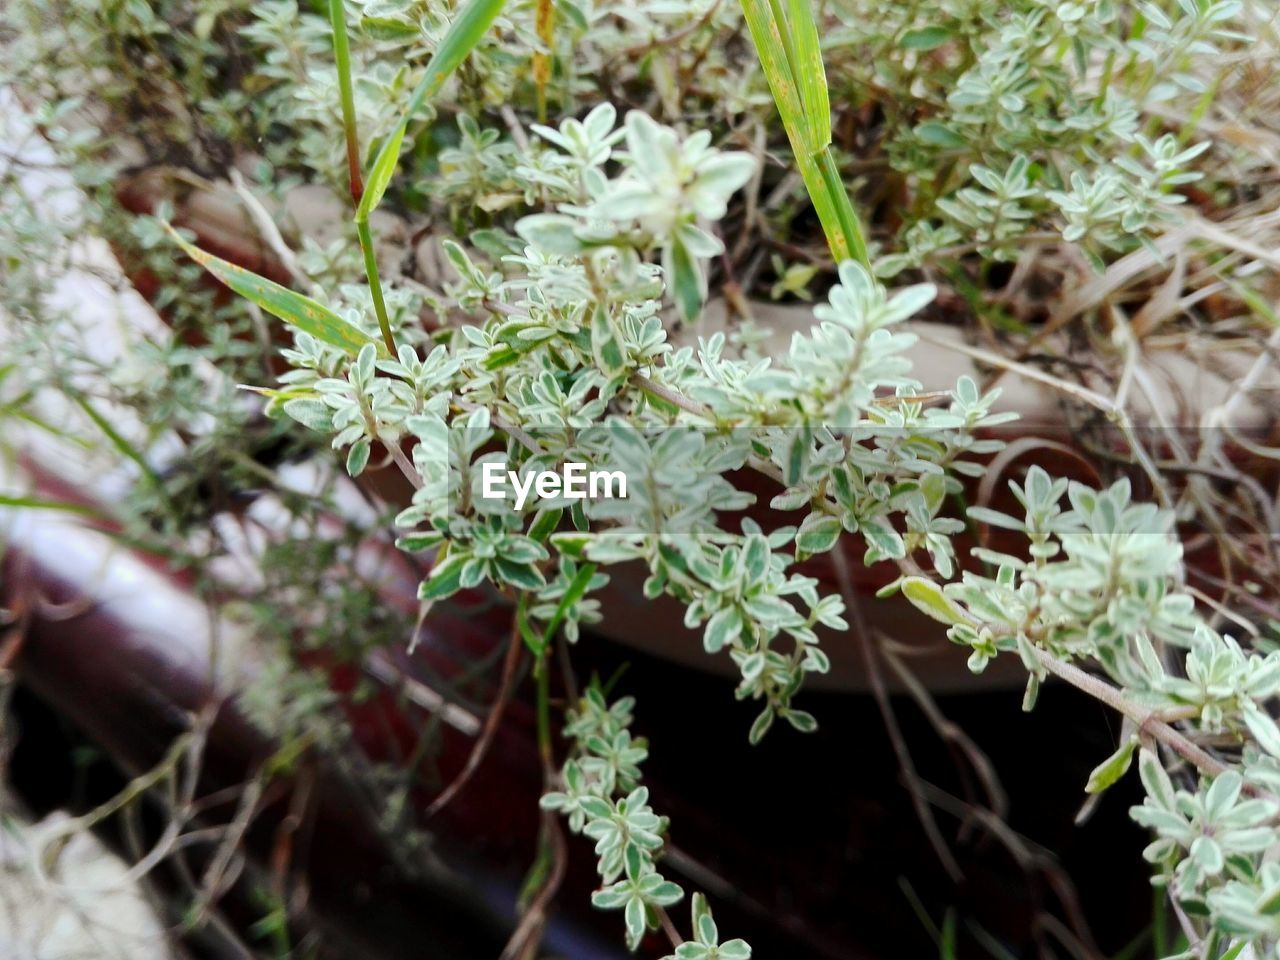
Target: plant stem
pixel 342 56
pixel 542 673
pixel 850 226
pixel 510 669
pixel 1147 721
pixel 906 764
pixel 375 284
pixel 544 20
pixel 524 942
pixel 799 87
pixel 404 463
pixel 673 397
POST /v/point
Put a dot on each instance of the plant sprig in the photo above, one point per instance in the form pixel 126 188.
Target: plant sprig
pixel 786 41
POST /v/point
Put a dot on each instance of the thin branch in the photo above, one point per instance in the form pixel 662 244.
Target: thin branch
pixel 404 463
pixel 262 219
pixel 527 937
pixel 1148 722
pixel 862 634
pixel 673 397
pixel 515 647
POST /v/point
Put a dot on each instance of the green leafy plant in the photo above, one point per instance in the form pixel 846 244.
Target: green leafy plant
pixel 582 322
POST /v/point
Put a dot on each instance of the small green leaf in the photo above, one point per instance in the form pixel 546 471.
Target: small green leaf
pixel 380 174
pixel 573 593
pixel 1269 905
pixel 444 579
pixel 935 134
pixel 293 308
pixel 881 536
pixel 525 576
pixel 993 518
pixel 310 412
pixel 551 233
pixel 755 557
pixel 818 534
pixel 634 916
pixel 1113 768
pixel 596 808
pixel 1262 726
pixel 389 28
pixel 802 720
pixel 1156 781
pixel 928 598
pixel 1208 854
pixel 723 628
pixel 664 894
pixel 544 524
pixel 358 457
pixel 1031 694
pixel 570 544
pixel 606 345
pixel 702 922
pixel 467 29
pixel 926 38
pixel 761 725
pixel 686 281
pixel 499 357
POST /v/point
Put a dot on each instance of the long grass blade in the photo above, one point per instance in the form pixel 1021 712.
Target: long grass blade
pixel 787 42
pixel 810 74
pixel 118 440
pixel 766 34
pixel 576 590
pixel 463 34
pixel 292 307
pixel 545 25
pixel 842 207
pixel 39 503
pixel 346 93
pixel 342 58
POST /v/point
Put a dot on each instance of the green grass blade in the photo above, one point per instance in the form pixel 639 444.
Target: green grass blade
pixel 810 74
pixel 380 174
pixel 122 446
pixel 342 58
pixel 572 594
pixel 842 207
pixel 342 55
pixel 790 55
pixel 293 308
pixel 463 34
pixel 39 503
pixel 786 53
pixel 766 34
pixel 375 284
pixel 17 409
pixel 544 22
